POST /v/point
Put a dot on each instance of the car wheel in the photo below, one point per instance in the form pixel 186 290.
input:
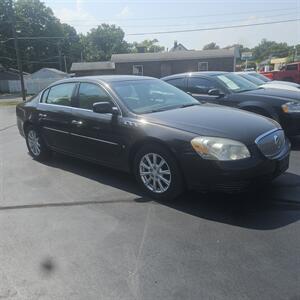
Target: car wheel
pixel 35 144
pixel 157 172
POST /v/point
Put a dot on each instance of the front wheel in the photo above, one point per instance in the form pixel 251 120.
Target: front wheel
pixel 35 144
pixel 157 172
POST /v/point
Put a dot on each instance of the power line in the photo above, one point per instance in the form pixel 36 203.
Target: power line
pixel 215 28
pixel 188 24
pixel 193 16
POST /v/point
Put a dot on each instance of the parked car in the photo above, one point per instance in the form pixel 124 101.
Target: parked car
pixel 270 81
pixel 290 86
pixel 232 90
pixel 166 138
pixel 290 72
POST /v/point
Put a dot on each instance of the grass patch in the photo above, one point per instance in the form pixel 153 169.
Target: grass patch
pixel 9 103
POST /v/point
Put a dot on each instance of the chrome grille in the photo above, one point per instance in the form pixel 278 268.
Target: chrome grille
pixel 271 143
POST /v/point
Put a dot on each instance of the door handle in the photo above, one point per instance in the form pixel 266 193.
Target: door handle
pixel 77 123
pixel 43 116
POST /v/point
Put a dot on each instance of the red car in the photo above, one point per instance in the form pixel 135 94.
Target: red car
pixel 291 72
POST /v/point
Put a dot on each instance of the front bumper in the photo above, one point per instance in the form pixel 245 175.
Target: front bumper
pixel 233 176
pixel 20 125
pixel 291 124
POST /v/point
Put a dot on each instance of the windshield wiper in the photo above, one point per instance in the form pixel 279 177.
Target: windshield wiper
pixel 171 107
pixel 161 109
pixel 188 104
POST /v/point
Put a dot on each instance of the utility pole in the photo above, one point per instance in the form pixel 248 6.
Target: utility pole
pixel 19 62
pixel 65 61
pixel 59 56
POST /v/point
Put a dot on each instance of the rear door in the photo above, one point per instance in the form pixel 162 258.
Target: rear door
pixel 55 115
pixel 179 82
pixel 95 135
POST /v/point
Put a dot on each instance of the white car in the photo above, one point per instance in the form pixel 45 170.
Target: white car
pixel 264 82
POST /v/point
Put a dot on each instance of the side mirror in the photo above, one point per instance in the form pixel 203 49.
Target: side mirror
pixel 105 108
pixel 215 92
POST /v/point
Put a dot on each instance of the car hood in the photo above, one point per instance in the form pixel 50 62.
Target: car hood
pixel 275 93
pixel 215 120
pixel 285 83
pixel 281 86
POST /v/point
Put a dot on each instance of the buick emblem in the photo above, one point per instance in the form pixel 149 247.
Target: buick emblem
pixel 276 140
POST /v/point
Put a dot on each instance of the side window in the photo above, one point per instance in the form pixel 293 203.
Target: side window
pixel 89 94
pixel 199 85
pixel 61 94
pixel 178 82
pixel 291 67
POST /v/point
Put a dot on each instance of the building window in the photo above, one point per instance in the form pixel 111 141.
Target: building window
pixel 138 70
pixel 202 66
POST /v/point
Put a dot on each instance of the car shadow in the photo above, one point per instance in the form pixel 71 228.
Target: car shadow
pixel 259 209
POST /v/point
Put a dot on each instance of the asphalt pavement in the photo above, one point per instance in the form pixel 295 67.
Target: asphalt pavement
pixel 73 230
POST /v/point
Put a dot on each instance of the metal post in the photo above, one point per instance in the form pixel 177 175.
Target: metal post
pixel 13 26
pixel 65 61
pixel 59 56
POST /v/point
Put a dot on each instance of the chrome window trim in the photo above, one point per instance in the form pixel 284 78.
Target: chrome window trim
pixel 72 107
pixel 78 82
pixel 266 134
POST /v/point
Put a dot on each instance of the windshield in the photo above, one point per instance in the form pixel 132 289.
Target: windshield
pixel 235 83
pixel 151 95
pixel 260 76
pixel 252 79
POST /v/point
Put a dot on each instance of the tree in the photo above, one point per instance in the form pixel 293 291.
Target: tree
pixel 211 46
pixel 34 19
pixel 71 44
pixel 148 46
pixel 7 57
pixel 101 42
pixel 267 49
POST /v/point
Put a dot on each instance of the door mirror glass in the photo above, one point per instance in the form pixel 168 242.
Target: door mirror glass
pixel 105 108
pixel 215 92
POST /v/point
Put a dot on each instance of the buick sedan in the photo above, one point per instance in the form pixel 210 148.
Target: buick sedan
pixel 162 135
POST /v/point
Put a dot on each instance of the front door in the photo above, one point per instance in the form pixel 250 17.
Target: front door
pixel 198 87
pixel 55 115
pixel 94 135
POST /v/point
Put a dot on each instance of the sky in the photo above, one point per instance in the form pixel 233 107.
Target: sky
pixel 148 16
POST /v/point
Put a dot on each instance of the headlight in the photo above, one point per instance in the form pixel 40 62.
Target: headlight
pixel 214 148
pixel 291 107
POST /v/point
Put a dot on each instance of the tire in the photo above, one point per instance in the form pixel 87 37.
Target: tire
pixel 163 182
pixel 36 145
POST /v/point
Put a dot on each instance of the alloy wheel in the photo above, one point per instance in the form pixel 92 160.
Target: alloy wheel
pixel 155 173
pixel 34 142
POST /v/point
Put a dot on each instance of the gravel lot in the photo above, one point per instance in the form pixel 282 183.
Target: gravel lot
pixel 73 230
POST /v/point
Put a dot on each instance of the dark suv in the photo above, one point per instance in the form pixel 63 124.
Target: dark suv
pixel 232 90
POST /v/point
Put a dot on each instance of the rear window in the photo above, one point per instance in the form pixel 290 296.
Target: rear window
pixel 61 94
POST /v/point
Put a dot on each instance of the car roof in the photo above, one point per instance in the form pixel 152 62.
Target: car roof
pixel 104 78
pixel 195 74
